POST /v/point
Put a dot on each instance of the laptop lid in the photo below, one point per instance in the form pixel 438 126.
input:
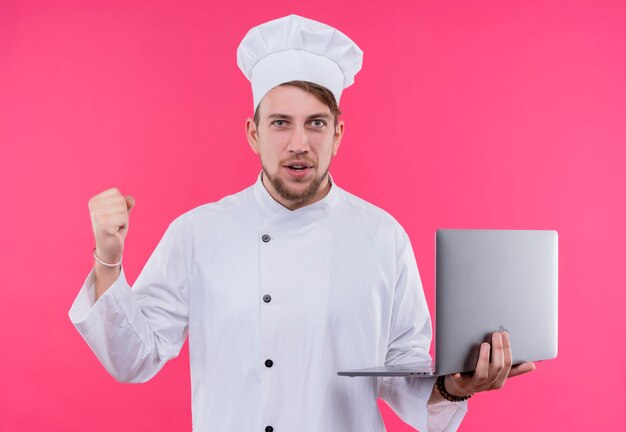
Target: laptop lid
pixel 486 281
pixel 495 280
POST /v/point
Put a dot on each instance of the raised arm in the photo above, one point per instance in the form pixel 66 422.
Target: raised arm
pixel 133 332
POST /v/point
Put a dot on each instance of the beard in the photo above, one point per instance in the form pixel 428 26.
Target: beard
pixel 296 197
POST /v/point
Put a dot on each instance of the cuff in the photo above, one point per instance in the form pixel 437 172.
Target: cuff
pixel 85 301
pixel 446 416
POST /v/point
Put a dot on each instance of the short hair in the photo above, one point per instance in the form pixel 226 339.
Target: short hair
pixel 321 93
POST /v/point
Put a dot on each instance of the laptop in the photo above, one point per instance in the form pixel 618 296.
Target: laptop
pixel 487 281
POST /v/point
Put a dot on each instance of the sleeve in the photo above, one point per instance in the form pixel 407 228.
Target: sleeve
pixel 133 332
pixel 409 341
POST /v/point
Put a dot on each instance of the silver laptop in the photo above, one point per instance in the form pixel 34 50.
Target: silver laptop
pixel 486 281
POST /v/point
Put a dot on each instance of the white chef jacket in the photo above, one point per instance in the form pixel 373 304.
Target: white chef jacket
pixel 275 302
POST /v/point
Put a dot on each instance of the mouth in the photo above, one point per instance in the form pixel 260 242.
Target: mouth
pixel 298 170
pixel 298 167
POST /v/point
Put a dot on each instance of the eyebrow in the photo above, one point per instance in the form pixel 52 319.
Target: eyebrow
pixel 288 117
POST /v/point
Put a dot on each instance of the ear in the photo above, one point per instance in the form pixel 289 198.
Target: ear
pixel 252 134
pixel 337 137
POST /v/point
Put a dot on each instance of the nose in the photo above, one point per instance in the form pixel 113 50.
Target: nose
pixel 298 141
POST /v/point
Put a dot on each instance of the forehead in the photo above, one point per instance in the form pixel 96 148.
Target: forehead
pixel 292 101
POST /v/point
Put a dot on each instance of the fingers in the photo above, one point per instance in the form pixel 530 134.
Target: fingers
pixel 112 201
pixel 493 366
pixel 521 369
pixel 109 212
pixel 107 198
pixel 508 355
pixel 458 385
pixel 462 384
pixel 497 355
pixel 481 374
pixel 500 360
pixel 130 202
pixel 111 223
pixel 492 369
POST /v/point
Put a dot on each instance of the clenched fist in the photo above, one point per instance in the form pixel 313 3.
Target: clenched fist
pixel 110 212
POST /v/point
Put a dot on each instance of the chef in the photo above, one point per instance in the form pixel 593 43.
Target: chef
pixel 285 283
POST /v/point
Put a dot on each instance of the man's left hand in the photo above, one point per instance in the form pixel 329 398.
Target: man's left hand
pixel 493 368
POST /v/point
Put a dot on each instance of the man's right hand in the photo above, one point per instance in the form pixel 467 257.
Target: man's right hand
pixel 110 212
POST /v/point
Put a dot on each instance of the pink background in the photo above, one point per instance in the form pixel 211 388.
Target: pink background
pixel 481 114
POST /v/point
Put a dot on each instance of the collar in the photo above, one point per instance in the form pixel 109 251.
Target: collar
pixel 274 212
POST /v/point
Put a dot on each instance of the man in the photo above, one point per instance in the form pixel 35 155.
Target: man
pixel 285 283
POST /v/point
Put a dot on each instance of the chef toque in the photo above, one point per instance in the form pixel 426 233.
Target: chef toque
pixel 296 48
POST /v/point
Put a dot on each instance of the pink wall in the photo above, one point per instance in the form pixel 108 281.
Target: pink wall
pixel 489 114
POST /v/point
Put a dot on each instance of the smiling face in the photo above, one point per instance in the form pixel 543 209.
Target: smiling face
pixel 296 139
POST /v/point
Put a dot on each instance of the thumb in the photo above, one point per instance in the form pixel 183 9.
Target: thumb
pixel 130 202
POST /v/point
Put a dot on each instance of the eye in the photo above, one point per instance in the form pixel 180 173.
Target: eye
pixel 279 123
pixel 318 123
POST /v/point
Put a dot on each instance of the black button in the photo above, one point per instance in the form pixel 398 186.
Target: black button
pixel 267 298
pixel 269 363
pixel 269 429
pixel 265 238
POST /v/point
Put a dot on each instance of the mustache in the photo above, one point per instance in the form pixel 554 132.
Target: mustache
pixel 298 161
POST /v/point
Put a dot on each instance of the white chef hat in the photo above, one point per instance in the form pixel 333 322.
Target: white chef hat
pixel 296 48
